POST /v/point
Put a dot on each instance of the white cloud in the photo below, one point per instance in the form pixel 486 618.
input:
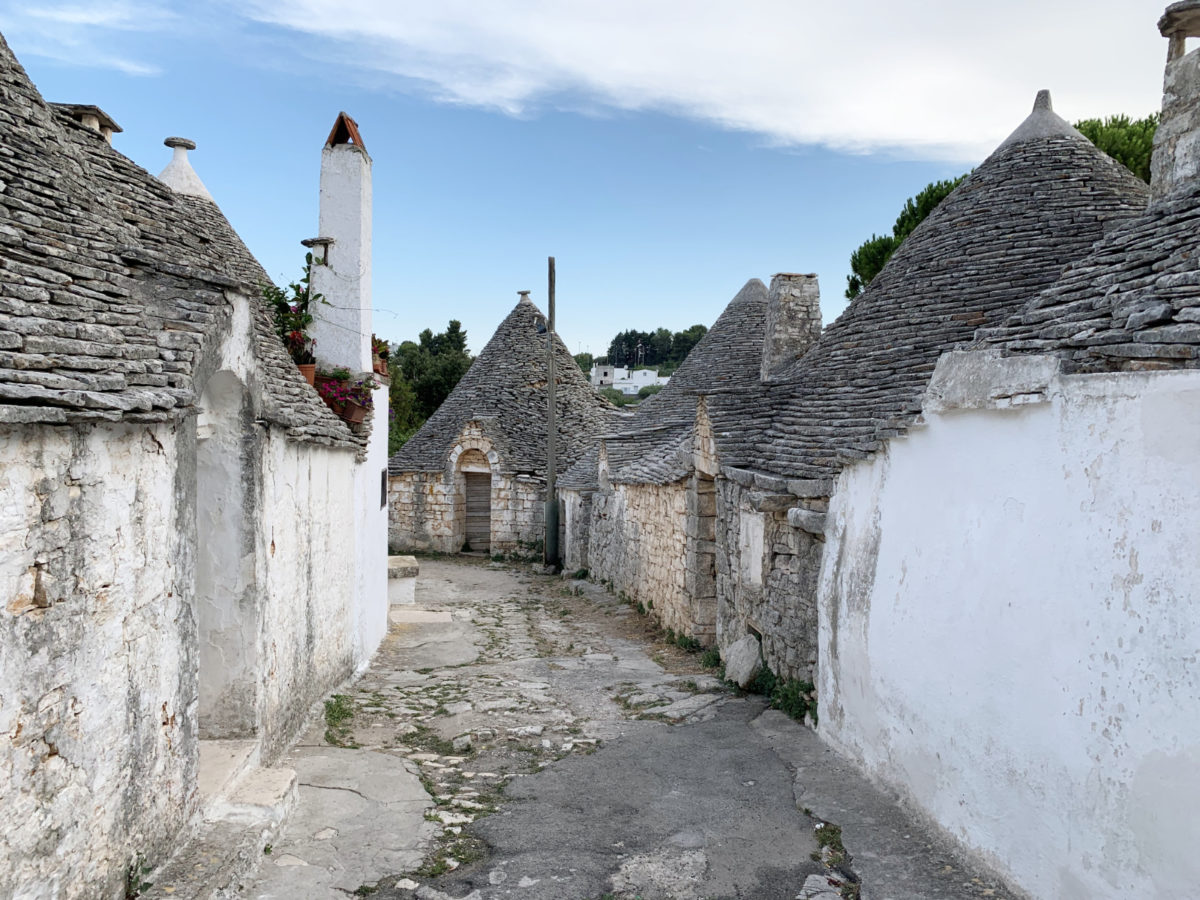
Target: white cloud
pixel 938 79
pixel 82 34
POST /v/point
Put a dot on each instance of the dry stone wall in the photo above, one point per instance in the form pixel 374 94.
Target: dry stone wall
pixel 97 654
pixel 426 513
pixel 577 523
pixel 767 573
pixel 638 542
pixel 422 515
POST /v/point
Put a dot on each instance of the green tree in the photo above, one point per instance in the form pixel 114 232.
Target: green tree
pixel 682 342
pixel 1128 141
pixel 615 397
pixel 423 373
pixel 660 344
pixel 585 362
pixel 649 391
pixel 871 256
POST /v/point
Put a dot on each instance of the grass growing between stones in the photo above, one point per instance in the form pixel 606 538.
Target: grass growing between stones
pixel 339 712
pixel 795 698
pixel 832 852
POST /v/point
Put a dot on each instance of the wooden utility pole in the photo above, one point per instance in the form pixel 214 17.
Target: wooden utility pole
pixel 551 542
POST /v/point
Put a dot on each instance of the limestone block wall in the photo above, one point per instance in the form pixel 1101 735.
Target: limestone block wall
pixel 767 574
pixel 577 524
pixel 98 674
pixel 639 542
pixel 1009 623
pixel 422 513
pixel 426 512
pixel 518 514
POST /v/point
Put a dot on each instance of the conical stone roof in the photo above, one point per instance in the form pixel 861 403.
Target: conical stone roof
pixel 653 445
pixel 1039 202
pixel 112 286
pixel 505 390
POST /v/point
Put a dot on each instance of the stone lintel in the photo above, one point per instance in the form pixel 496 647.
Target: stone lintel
pixel 763 502
pixel 807 488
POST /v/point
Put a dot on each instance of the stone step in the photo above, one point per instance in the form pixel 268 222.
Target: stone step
pixel 222 765
pixel 236 827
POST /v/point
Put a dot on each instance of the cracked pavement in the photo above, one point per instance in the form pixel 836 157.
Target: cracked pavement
pixel 518 735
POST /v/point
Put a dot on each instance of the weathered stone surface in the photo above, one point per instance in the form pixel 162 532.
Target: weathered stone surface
pixel 743 659
pixel 403 567
pixel 1039 202
pixel 807 520
pixel 505 391
pixel 106 270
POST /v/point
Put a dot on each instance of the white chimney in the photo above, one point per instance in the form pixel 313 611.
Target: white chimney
pixel 342 325
pixel 179 175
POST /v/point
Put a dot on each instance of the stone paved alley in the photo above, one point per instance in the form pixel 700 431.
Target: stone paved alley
pixel 520 735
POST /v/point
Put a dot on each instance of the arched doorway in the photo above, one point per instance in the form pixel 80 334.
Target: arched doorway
pixel 477 490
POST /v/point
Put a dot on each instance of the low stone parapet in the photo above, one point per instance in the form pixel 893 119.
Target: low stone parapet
pixel 402 580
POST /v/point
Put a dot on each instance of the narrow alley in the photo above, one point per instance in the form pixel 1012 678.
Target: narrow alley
pixel 520 735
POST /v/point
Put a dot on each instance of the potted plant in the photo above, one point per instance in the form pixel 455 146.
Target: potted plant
pixel 290 309
pixel 379 356
pixel 349 399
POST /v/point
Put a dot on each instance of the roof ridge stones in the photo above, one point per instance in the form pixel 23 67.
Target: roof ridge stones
pixel 505 390
pixel 1040 201
pixel 112 286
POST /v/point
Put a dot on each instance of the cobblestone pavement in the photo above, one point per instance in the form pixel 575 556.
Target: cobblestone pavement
pixel 519 735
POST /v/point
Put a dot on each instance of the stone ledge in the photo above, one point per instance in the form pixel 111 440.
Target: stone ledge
pixel 807 520
pixel 403 567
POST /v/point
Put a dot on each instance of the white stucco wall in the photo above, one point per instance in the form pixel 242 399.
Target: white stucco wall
pixel 1009 624
pixel 371 522
pixel 97 655
pixel 308 560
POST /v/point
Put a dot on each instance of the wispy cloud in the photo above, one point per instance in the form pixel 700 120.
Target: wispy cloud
pixel 944 78
pixel 87 34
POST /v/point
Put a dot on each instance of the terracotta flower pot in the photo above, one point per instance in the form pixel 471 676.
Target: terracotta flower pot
pixel 381 367
pixel 309 371
pixel 352 413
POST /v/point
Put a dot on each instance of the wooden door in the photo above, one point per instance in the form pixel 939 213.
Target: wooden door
pixel 479 510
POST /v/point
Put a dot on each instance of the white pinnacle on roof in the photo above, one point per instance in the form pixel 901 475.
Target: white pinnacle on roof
pixel 179 175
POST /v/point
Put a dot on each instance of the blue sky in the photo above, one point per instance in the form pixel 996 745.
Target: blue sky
pixel 664 152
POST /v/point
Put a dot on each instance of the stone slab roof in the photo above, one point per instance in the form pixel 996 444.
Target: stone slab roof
pixel 727 358
pixel 1132 303
pixel 505 390
pixel 1039 202
pixel 112 287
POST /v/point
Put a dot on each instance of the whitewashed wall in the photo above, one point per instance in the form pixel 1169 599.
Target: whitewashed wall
pixel 97 654
pixel 371 522
pixel 1010 623
pixel 309 630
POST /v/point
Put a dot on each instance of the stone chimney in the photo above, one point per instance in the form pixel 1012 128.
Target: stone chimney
pixel 793 322
pixel 342 325
pixel 92 117
pixel 179 175
pixel 1176 159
